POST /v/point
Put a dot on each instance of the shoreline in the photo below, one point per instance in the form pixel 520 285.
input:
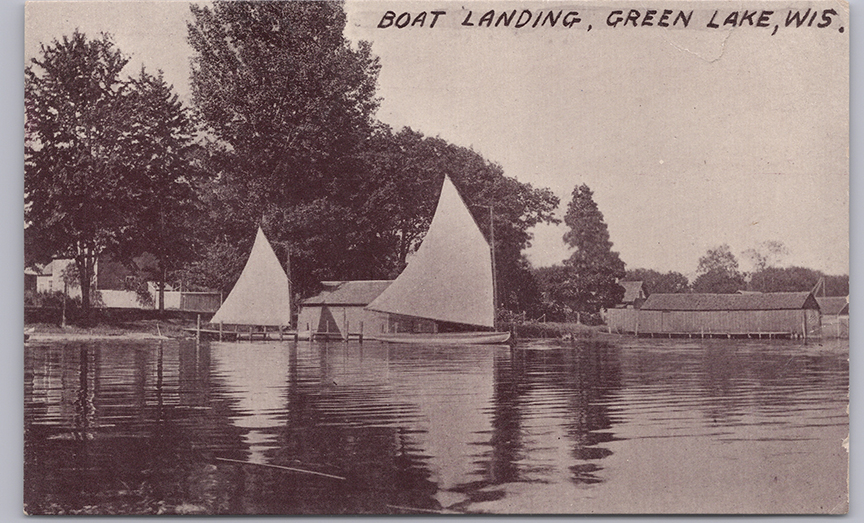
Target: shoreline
pixel 136 330
pixel 84 336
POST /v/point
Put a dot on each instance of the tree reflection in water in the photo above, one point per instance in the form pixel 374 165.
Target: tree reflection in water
pixel 538 391
pixel 119 427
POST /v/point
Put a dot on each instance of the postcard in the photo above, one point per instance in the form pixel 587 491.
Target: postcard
pixel 436 257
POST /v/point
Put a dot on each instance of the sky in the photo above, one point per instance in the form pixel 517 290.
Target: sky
pixel 689 137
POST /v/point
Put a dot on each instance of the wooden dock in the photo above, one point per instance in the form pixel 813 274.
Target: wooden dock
pixel 336 336
pixel 720 335
pixel 241 332
pixel 261 332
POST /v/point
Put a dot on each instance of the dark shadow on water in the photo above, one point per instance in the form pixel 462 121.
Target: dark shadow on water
pixel 577 378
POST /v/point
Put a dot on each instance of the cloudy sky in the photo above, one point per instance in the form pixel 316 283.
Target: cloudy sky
pixel 689 137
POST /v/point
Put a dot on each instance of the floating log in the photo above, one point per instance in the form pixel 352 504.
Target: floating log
pixel 280 467
pixel 424 510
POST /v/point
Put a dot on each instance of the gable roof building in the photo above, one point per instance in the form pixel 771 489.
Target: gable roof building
pixel 634 294
pixel 360 292
pixel 834 305
pixel 339 310
pixel 776 314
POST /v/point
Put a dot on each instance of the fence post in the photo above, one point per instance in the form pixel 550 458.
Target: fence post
pixel 198 328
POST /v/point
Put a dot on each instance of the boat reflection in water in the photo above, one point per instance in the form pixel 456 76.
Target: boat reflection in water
pixel 255 375
pixel 636 426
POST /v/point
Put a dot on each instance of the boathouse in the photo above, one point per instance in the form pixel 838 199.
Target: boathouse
pixel 777 314
pixel 835 316
pixel 622 318
pixel 634 295
pixel 338 311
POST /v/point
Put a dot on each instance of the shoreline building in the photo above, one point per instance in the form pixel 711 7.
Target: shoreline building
pixel 777 314
pixel 339 311
pixel 835 316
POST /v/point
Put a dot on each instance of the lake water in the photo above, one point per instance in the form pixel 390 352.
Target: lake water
pixel 630 425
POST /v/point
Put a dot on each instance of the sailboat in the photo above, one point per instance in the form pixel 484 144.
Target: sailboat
pixel 262 294
pixel 449 280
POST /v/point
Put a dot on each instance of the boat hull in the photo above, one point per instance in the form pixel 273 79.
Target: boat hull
pixel 449 338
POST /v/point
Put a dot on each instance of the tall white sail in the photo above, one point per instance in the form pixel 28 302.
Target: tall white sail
pixel 449 278
pixel 262 295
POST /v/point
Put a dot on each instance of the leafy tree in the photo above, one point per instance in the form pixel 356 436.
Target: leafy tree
pixel 217 266
pixel 107 162
pixel 163 149
pixel 588 280
pixel 766 254
pixel 837 285
pixel 718 259
pixel 290 103
pixel 558 289
pixel 718 272
pixel 655 281
pixel 719 282
pixel 406 171
pixel 279 84
pixel 786 279
pixel 515 208
pixel 798 279
pixel 78 190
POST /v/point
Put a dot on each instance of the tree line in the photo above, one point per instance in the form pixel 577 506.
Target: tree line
pixel 281 133
pixel 588 281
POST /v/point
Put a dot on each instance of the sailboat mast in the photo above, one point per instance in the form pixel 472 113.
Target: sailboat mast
pixel 494 272
pixel 290 283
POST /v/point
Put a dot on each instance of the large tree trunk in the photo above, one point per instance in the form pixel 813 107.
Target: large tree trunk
pixel 85 268
pixel 161 291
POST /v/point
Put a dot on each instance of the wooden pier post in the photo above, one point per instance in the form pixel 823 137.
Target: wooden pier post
pixel 220 331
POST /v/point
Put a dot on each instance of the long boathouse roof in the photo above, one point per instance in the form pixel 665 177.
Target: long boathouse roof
pixel 730 302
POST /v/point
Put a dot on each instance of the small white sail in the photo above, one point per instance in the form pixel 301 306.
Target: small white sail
pixel 262 294
pixel 449 278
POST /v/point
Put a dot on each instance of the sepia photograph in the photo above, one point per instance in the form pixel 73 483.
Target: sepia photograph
pixel 379 257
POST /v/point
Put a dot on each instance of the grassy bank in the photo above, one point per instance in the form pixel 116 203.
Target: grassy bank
pixel 168 328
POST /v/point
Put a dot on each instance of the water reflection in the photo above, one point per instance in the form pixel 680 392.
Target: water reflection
pixel 255 375
pixel 147 427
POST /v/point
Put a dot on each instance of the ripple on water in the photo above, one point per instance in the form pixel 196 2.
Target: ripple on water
pixel 639 425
